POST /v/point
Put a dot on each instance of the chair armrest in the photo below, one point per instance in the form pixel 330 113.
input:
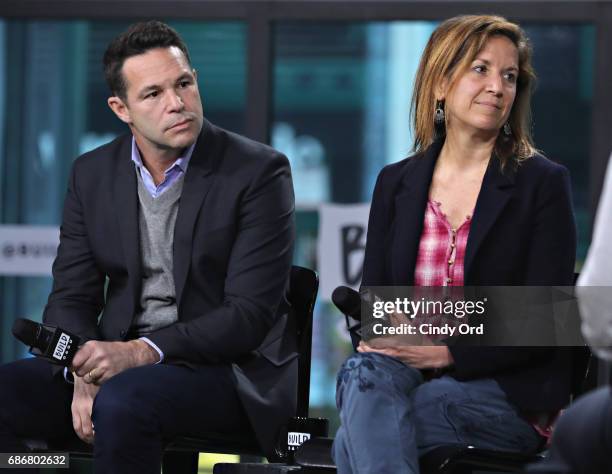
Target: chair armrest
pixel 446 458
pixel 316 453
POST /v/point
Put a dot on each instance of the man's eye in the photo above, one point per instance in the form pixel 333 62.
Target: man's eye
pixel 184 83
pixel 152 95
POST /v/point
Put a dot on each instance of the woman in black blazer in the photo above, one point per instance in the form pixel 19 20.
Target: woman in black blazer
pixel 476 173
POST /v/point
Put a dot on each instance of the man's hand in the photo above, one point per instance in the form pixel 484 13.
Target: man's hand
pixel 98 361
pixel 419 357
pixel 82 403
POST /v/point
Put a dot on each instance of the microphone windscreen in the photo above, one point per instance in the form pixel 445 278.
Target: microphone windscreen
pixel 26 331
pixel 348 301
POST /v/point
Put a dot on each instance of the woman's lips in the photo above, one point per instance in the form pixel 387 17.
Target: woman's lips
pixel 489 104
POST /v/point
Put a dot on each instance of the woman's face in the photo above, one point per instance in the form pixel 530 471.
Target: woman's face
pixel 483 95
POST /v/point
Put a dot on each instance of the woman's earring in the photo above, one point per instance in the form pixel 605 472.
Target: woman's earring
pixel 439 113
pixel 507 129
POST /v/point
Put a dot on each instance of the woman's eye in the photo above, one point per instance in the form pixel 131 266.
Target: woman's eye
pixel 480 68
pixel 510 76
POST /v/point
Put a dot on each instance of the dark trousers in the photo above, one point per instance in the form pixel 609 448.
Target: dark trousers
pixel 135 413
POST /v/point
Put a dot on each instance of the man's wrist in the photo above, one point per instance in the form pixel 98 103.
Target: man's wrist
pixel 69 376
pixel 154 346
pixel 145 354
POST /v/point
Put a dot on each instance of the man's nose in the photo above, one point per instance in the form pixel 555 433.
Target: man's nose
pixel 175 102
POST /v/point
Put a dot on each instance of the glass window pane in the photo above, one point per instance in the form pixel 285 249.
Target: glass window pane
pixel 562 128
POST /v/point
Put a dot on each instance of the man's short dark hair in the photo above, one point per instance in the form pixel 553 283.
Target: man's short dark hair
pixel 137 39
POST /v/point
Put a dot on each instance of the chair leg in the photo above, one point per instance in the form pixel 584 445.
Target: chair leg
pixel 180 462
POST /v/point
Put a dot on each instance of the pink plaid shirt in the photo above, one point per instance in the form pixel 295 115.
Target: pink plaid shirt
pixel 440 263
pixel 441 249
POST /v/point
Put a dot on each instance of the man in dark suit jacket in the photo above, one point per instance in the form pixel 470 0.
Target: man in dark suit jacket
pixel 175 250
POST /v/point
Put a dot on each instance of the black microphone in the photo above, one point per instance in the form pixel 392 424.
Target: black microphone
pixel 49 342
pixel 348 301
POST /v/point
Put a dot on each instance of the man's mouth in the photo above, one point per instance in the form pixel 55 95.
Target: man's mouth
pixel 180 124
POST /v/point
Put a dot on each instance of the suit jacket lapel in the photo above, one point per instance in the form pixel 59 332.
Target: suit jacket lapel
pixel 126 209
pixel 198 180
pixel 410 203
pixel 494 194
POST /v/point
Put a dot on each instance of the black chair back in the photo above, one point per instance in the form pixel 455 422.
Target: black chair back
pixel 303 288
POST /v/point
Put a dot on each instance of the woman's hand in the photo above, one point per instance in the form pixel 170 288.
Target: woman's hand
pixel 419 357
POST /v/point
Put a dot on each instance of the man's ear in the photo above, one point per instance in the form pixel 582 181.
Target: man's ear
pixel 120 108
pixel 195 78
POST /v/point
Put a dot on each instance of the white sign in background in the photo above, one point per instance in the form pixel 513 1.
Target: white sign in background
pixel 27 250
pixel 341 245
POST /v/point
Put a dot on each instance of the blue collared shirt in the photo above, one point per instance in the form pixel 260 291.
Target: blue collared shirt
pixel 176 170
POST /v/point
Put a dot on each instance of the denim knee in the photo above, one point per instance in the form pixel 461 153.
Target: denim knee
pixel 365 372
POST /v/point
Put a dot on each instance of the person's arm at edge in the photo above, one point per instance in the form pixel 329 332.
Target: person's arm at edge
pixel 594 301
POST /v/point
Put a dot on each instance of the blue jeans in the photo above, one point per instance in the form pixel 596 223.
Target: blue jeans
pixel 390 416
